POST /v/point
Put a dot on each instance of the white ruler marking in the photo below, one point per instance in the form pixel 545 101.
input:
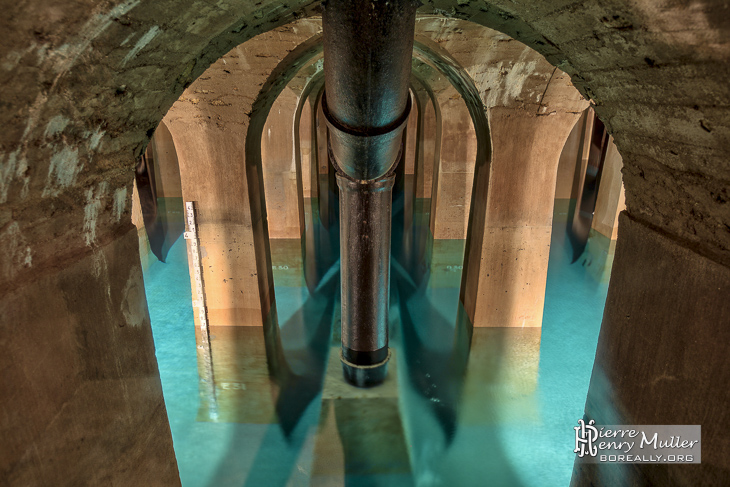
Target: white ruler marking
pixel 199 302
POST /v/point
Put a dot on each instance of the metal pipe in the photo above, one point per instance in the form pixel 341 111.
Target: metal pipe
pixel 365 213
pixel 368 45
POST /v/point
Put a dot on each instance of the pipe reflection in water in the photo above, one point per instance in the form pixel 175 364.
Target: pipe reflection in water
pixel 360 439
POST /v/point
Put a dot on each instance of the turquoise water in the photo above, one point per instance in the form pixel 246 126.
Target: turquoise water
pixel 500 415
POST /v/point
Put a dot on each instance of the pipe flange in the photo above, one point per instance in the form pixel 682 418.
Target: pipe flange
pixel 365 375
pixel 365 154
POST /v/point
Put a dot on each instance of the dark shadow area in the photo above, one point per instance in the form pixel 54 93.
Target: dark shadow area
pixel 579 226
pixel 145 179
pixel 157 176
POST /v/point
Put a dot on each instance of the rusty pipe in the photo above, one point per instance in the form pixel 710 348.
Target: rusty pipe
pixel 368 47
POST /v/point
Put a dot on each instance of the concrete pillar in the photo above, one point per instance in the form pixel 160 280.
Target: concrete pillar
pixel 600 248
pixel 565 190
pixel 532 108
pixel 456 168
pixel 569 160
pixel 217 183
pixel 410 172
pixel 430 133
pixel 209 131
pixel 306 141
pixel 280 173
pixel 584 152
pixel 417 237
pixel 516 245
pixel 167 168
pixel 611 199
pixel 145 253
pixel 169 222
pixel 210 137
pixel 327 194
pixel 662 355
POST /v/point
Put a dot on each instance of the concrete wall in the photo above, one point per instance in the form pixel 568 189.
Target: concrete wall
pixel 81 394
pixel 673 368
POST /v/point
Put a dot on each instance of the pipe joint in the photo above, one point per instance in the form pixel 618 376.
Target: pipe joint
pixel 365 375
pixel 365 154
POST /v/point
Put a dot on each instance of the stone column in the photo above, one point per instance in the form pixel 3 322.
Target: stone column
pixel 225 227
pixel 210 133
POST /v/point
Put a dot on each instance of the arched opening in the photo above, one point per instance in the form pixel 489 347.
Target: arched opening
pixel 236 393
pixel 69 152
pixel 290 343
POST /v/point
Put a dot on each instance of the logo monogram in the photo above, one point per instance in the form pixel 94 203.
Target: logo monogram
pixel 585 435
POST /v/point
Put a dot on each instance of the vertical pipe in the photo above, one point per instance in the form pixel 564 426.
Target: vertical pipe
pixel 365 214
pixel 368 45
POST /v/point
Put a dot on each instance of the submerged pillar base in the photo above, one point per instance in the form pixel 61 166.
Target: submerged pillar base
pixel 365 375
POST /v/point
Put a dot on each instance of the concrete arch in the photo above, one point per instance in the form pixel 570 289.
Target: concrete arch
pixel 142 66
pixel 276 81
pixel 86 85
pixel 284 72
